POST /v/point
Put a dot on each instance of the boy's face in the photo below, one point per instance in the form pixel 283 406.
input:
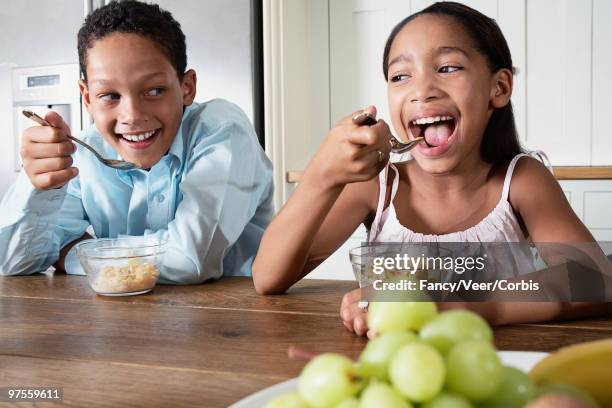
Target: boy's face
pixel 135 97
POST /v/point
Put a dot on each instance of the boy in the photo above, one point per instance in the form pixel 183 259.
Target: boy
pixel 206 184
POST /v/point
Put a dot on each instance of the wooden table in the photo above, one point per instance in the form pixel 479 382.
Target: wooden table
pixel 195 346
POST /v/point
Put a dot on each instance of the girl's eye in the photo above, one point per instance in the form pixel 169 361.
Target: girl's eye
pixel 155 92
pixel 399 77
pixel 447 69
pixel 109 97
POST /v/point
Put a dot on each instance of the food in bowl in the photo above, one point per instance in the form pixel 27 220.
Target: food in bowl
pixel 122 266
pixel 134 277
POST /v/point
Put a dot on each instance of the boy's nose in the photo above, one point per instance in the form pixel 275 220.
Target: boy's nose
pixel 132 112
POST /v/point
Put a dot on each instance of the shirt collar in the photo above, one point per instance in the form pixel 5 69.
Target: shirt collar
pixel 177 147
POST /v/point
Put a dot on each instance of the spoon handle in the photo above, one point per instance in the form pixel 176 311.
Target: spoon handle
pixel 33 116
pixel 397 146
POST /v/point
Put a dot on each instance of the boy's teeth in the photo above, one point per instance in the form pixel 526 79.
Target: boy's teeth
pixel 139 137
pixel 431 119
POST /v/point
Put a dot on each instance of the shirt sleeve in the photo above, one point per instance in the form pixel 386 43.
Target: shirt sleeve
pixel 226 179
pixel 36 224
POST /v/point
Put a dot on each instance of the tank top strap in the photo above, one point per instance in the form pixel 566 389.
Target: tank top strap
pixel 395 184
pixel 506 189
pixel 541 156
pixel 382 193
pixel 536 154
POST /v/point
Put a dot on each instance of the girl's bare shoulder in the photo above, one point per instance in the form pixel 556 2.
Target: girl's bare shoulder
pixel 532 184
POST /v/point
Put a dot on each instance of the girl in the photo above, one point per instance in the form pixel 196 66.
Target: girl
pixel 449 78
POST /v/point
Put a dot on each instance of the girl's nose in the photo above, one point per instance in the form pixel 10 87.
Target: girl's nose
pixel 424 90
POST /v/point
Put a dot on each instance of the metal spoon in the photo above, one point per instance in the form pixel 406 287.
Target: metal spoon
pixel 397 146
pixel 116 164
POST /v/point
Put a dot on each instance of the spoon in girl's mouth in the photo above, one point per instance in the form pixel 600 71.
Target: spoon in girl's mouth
pixel 397 146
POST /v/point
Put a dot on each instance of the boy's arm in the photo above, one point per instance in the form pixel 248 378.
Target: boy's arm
pixel 36 224
pixel 60 265
pixel 226 191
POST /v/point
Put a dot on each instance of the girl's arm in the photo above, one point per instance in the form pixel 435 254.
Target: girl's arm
pixel 539 200
pixel 334 196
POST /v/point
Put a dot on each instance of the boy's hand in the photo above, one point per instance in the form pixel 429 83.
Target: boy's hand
pixel 45 152
pixel 353 153
pixel 353 317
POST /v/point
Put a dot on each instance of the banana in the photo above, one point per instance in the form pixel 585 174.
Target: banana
pixel 587 366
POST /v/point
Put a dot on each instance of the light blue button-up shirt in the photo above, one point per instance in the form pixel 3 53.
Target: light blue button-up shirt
pixel 210 197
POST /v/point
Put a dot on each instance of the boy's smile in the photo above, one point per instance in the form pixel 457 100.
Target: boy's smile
pixel 135 96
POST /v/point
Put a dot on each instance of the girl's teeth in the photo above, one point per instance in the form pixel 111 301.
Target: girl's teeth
pixel 431 119
pixel 139 137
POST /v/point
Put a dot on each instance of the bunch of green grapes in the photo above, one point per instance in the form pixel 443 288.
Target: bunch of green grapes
pixel 419 358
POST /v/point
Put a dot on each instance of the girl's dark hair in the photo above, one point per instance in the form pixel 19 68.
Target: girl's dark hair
pixel 500 142
pixel 130 16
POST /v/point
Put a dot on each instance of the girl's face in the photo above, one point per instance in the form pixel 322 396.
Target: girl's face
pixel 135 96
pixel 440 87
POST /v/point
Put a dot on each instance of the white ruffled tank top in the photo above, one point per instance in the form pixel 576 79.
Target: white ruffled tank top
pixel 500 225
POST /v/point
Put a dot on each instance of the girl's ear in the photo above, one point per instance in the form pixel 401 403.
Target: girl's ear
pixel 85 94
pixel 501 89
pixel 188 87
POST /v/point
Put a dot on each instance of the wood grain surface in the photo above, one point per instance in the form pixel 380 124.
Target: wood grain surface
pixel 189 346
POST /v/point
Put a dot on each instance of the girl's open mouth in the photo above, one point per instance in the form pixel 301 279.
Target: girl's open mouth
pixel 439 133
pixel 139 140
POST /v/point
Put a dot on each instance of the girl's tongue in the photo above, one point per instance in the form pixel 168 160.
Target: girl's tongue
pixel 438 133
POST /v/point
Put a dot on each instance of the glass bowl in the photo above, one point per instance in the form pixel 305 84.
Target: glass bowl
pixel 122 266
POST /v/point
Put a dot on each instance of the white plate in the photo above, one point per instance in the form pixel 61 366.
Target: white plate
pixel 523 360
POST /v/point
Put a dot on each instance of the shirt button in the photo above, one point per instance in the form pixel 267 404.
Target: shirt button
pixel 161 198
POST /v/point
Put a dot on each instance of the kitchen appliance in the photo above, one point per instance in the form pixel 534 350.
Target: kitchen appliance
pixel 44 88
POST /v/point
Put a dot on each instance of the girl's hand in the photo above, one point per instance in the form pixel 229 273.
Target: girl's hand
pixel 352 153
pixel 45 152
pixel 353 317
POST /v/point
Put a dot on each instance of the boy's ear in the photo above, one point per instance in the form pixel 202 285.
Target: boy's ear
pixel 501 89
pixel 188 87
pixel 84 93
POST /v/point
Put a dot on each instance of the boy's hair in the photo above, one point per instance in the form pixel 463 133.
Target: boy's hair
pixel 130 16
pixel 500 142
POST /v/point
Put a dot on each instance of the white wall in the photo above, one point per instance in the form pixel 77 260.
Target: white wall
pixel 34 32
pixel 7 164
pixel 218 47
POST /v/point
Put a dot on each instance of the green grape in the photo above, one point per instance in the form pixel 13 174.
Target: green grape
pixel 473 370
pixel 379 394
pixel 292 400
pixel 328 379
pixel 375 358
pixel 393 316
pixel 515 390
pixel 417 371
pixel 351 402
pixel 454 326
pixel 447 400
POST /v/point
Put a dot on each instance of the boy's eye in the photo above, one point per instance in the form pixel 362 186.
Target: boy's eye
pixel 399 77
pixel 447 69
pixel 155 91
pixel 108 97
